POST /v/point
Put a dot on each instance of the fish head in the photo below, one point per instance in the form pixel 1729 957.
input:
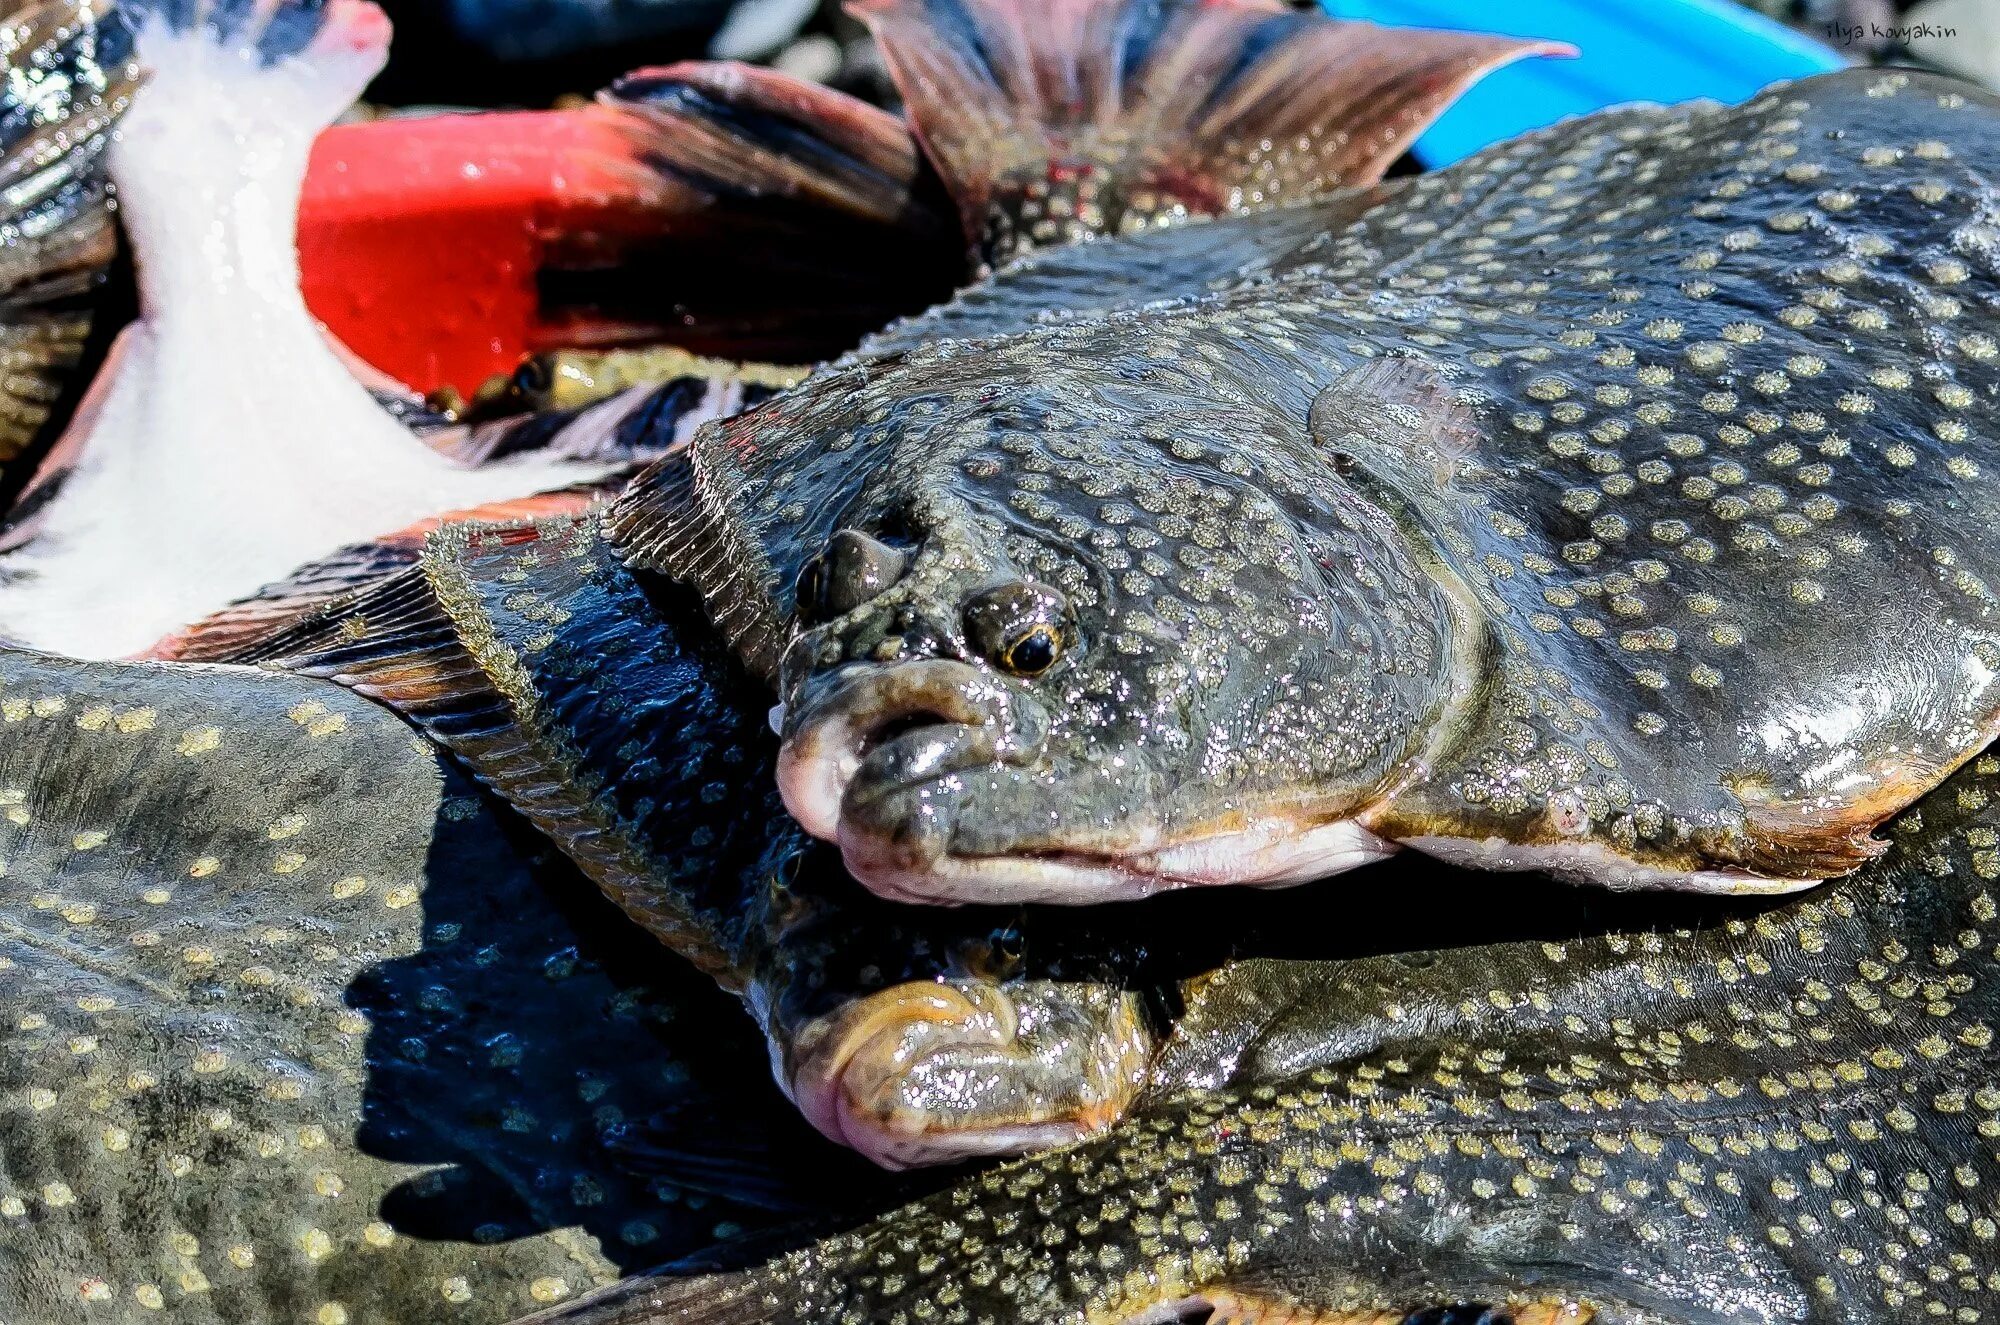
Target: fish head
pixel 1068 640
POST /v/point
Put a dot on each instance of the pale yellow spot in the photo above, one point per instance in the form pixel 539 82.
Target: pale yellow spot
pixel 287 862
pixel 135 720
pixel 351 886
pixel 290 825
pixel 398 898
pixel 203 867
pixel 316 1244
pixel 548 1289
pixel 89 840
pixel 199 741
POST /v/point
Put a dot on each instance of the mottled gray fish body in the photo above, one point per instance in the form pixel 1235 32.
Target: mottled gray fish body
pixel 1784 1118
pixel 1667 560
pixel 294 1027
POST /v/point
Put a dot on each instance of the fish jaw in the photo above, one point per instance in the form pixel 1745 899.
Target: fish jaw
pixel 226 443
pixel 1271 853
pixel 936 1072
pixel 937 781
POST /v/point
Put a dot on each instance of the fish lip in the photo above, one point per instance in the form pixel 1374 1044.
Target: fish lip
pixel 1270 853
pixel 839 723
pixel 846 1072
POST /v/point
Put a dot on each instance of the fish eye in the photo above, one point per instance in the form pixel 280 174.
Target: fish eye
pixel 1032 652
pixel 1020 628
pixel 532 378
pixel 854 568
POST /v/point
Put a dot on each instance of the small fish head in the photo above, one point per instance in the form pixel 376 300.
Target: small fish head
pixel 1077 644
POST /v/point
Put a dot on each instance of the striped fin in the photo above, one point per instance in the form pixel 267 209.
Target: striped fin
pixel 1055 120
pixel 770 218
pixel 528 653
pixel 674 520
pixel 234 631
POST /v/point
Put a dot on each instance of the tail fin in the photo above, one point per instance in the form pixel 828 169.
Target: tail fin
pixel 69 78
pixel 1053 120
pixel 776 219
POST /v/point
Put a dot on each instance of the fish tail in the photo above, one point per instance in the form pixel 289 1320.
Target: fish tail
pixel 69 78
pixel 1055 120
pixel 768 217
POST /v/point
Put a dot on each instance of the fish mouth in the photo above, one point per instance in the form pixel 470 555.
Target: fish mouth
pixel 909 723
pixel 1271 853
pixel 937 1072
pixel 935 781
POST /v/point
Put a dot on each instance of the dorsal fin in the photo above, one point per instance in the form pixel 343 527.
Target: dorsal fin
pixel 673 520
pixel 530 654
pixel 1055 120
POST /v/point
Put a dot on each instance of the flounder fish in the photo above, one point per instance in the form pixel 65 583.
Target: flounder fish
pixel 597 701
pixel 298 1024
pixel 1782 1117
pixel 1614 503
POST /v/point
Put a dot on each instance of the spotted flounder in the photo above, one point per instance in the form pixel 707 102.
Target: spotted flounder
pixel 1786 1116
pixel 911 1034
pixel 296 1025
pixel 1614 503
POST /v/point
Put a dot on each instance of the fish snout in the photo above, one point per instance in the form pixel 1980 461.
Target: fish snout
pixel 936 1072
pixel 869 729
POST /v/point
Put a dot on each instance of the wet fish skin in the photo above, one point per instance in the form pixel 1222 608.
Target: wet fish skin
pixel 1727 368
pixel 1782 1117
pixel 612 718
pixel 296 1023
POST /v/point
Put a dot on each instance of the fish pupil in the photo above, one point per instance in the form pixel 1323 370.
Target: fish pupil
pixel 1032 654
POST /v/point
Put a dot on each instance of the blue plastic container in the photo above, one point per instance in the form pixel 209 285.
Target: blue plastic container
pixel 1632 50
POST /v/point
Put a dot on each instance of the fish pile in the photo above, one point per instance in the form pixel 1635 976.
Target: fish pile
pixel 1594 540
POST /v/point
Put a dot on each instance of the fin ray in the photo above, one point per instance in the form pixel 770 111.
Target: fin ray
pixel 1057 120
